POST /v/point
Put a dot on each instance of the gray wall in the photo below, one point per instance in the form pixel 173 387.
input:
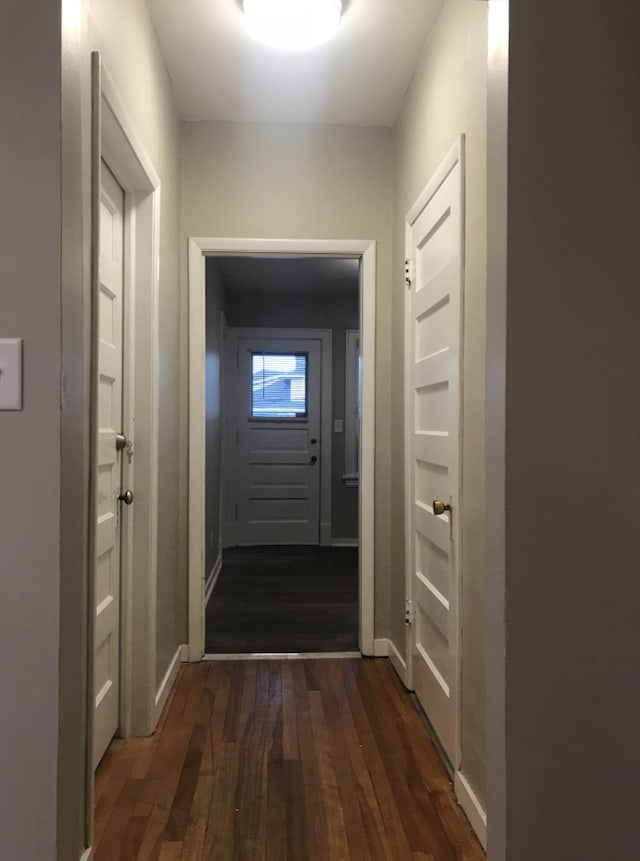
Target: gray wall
pixel 319 310
pixel 30 307
pixel 572 433
pixel 74 452
pixel 214 307
pixel 497 169
pixel 448 96
pixel 294 181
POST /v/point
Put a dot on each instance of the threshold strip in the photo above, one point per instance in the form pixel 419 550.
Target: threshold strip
pixel 281 656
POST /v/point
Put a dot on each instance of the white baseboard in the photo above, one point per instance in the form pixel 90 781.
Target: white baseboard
pixel 380 648
pixel 344 542
pixel 385 648
pixel 181 655
pixel 398 662
pixel 212 579
pixel 474 811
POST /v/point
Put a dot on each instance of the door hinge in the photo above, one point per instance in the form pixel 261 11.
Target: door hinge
pixel 409 272
pixel 236 510
pixel 409 612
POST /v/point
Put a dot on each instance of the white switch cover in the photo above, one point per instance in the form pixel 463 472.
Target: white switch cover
pixel 10 373
pixel 337 425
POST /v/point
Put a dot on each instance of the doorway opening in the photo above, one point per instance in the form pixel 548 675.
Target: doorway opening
pixel 281 446
pixel 281 499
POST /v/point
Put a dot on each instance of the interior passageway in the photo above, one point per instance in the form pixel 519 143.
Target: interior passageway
pixel 305 760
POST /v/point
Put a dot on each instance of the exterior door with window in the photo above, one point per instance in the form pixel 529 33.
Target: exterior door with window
pixel 278 441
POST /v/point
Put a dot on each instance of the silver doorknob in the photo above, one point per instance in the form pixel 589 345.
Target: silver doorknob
pixel 439 507
pixel 126 497
pixel 121 442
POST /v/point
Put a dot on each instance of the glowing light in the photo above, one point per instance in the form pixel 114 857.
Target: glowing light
pixel 293 25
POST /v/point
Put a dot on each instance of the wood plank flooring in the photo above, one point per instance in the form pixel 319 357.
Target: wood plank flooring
pixel 302 760
pixel 284 599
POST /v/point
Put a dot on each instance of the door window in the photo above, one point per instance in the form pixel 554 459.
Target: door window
pixel 279 385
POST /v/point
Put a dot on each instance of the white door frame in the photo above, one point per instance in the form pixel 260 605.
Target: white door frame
pixel 114 139
pixel 234 334
pixel 199 248
pixel 455 155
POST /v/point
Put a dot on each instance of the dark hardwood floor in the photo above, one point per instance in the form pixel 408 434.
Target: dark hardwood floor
pixel 281 760
pixel 284 599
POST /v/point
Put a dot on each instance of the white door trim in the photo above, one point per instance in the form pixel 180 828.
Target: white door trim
pixel 199 248
pixel 127 158
pixel 114 139
pixel 453 157
pixel 470 803
pixel 234 334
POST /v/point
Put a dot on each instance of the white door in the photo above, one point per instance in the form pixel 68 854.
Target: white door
pixel 278 441
pixel 434 249
pixel 109 467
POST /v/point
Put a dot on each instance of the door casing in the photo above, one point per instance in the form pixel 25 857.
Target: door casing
pixel 199 249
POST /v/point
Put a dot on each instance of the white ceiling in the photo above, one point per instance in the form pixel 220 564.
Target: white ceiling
pixel 358 78
pixel 289 274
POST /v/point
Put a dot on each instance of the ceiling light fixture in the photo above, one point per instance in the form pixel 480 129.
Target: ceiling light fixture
pixel 293 25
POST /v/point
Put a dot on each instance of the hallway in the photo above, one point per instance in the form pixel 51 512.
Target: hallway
pixel 306 760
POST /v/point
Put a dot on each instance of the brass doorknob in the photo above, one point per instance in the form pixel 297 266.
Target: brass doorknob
pixel 439 507
pixel 126 497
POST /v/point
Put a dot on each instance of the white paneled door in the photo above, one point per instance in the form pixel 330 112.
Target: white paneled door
pixel 109 466
pixel 434 314
pixel 278 441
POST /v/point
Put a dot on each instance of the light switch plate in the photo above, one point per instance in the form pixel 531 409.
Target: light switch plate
pixel 10 373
